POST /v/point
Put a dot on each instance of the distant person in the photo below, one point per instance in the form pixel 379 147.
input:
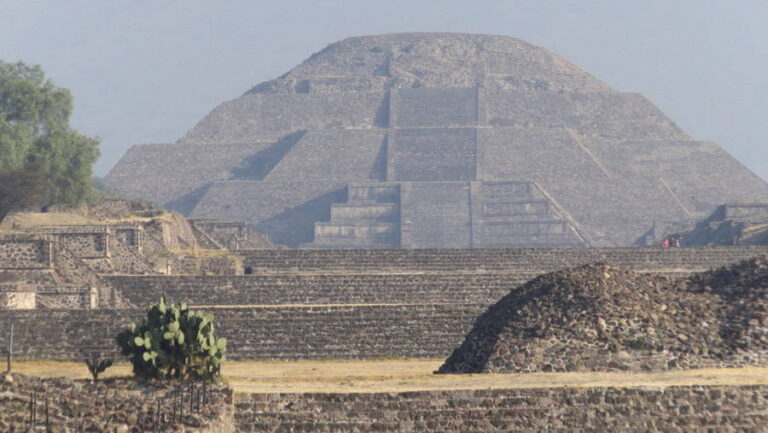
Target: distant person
pixel 665 244
pixel 677 241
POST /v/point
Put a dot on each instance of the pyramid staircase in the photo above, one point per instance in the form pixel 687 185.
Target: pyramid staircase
pixel 369 219
pixel 518 214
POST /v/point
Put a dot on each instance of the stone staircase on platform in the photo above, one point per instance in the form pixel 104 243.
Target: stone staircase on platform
pixel 369 219
pixel 517 214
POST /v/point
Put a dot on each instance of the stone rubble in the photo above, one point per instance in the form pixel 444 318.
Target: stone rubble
pixel 107 405
pixel 603 317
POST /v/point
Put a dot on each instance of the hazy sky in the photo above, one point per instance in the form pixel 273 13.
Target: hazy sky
pixel 145 71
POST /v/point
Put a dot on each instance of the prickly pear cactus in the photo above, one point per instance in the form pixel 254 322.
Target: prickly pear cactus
pixel 174 343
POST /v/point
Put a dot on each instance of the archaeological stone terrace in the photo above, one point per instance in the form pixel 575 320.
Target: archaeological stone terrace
pixel 428 140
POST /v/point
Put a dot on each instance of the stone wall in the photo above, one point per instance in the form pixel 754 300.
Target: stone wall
pixel 615 115
pixel 432 154
pixel 113 405
pixel 83 241
pixel 435 214
pixel 74 298
pixel 526 260
pixel 484 288
pixel 279 332
pixel 26 297
pixel 15 298
pixel 680 409
pixel 190 264
pixel 430 107
pixel 24 252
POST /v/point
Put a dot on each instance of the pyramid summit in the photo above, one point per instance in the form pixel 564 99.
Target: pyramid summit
pixel 425 140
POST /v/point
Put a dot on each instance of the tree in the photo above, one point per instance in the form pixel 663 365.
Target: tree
pixel 20 190
pixel 35 136
pixel 174 343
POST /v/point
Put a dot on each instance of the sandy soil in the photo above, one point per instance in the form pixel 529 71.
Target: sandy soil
pixel 411 375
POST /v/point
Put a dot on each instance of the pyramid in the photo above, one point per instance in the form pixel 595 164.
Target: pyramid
pixel 435 140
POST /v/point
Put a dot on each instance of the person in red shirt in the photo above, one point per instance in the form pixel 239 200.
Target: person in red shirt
pixel 665 244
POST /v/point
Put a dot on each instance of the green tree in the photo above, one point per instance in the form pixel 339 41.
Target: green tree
pixel 35 135
pixel 20 189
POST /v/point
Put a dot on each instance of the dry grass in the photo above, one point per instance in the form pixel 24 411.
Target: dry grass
pixel 75 370
pixel 411 375
pixel 36 219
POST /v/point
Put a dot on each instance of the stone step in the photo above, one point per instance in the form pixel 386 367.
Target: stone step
pixel 348 213
pixel 498 259
pixel 514 208
pixel 513 227
pixel 375 192
pixel 353 229
pixel 506 191
pixel 535 244
pixel 329 244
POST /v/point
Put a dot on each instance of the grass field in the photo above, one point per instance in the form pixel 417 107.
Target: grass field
pixel 410 375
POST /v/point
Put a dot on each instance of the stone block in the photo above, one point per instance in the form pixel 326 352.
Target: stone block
pixel 429 107
pixel 18 300
pixel 429 154
pixel 435 214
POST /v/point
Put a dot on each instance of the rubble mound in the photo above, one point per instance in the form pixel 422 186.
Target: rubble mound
pixel 602 317
pixel 743 289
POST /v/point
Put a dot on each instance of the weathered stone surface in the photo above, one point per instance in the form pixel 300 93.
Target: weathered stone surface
pixel 270 332
pixel 505 260
pixel 414 109
pixel 729 224
pixel 111 406
pixel 681 409
pixel 343 304
pixel 602 317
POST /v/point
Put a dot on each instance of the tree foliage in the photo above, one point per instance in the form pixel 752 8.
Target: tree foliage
pixel 20 190
pixel 174 343
pixel 35 135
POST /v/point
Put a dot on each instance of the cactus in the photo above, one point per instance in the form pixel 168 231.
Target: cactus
pixel 174 343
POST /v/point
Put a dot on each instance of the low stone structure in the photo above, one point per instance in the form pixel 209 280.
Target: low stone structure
pixel 20 297
pixel 602 317
pixel 306 304
pixel 524 260
pixel 13 297
pixel 50 275
pixel 231 235
pixel 278 332
pixel 65 405
pixel 684 409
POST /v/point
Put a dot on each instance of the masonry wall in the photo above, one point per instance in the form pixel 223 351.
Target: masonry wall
pixel 483 288
pixel 683 409
pixel 281 333
pixel 529 260
pixel 25 253
pixel 435 214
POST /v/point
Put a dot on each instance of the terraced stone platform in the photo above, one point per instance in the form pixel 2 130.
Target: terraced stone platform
pixel 315 304
pixel 444 118
pixel 715 409
pixel 510 260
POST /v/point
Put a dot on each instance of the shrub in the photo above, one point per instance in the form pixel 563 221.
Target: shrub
pixel 640 343
pixel 97 365
pixel 174 343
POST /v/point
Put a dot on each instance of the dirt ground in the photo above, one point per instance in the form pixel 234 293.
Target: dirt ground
pixel 340 376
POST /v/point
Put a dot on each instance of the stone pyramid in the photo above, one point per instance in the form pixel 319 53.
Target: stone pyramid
pixel 434 140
